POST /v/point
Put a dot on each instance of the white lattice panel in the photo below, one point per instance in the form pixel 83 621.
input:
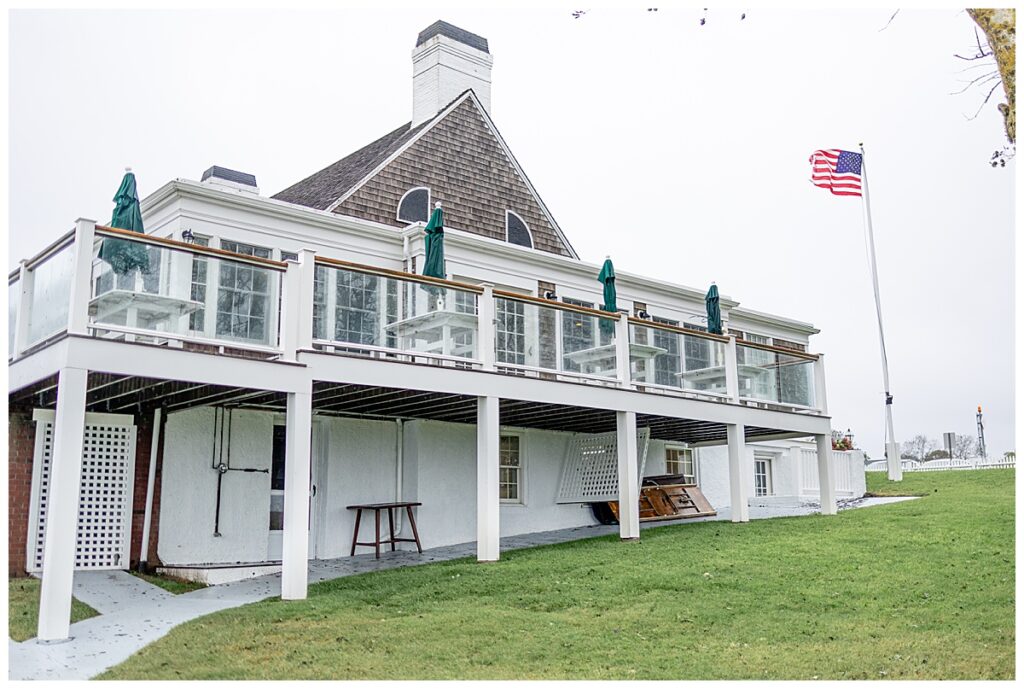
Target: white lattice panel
pixel 105 495
pixel 591 469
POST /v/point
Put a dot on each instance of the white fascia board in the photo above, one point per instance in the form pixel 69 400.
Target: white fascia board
pixel 151 361
pixel 772 320
pixel 391 374
pixel 266 206
pixel 37 366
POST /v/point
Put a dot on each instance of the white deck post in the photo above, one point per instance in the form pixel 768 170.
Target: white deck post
pixel 487 497
pixel 297 305
pixel 826 475
pixel 486 327
pixel 26 278
pixel 295 548
pixel 81 277
pixel 62 509
pixel 629 478
pixel 622 351
pixel 732 371
pixel 737 472
pixel 820 396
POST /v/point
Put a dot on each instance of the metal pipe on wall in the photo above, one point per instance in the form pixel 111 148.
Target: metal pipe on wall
pixel 399 469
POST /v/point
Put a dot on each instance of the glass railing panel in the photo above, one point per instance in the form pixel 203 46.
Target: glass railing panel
pixel 51 285
pixel 771 376
pixel 13 298
pixel 550 338
pixel 365 310
pixel 668 358
pixel 140 289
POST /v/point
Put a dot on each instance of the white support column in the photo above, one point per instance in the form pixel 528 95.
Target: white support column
pixel 26 281
pixel 297 304
pixel 820 395
pixel 738 478
pixel 732 371
pixel 81 277
pixel 826 474
pixel 487 501
pixel 629 476
pixel 295 549
pixel 147 521
pixel 622 351
pixel 486 326
pixel 62 506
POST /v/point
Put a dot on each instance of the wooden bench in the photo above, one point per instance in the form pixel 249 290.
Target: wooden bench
pixel 390 507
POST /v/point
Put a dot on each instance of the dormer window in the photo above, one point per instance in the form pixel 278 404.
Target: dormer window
pixel 516 230
pixel 415 205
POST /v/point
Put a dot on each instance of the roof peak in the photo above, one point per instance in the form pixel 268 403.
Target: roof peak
pixel 443 28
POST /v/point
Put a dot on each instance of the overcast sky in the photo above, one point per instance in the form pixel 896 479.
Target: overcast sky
pixel 679 149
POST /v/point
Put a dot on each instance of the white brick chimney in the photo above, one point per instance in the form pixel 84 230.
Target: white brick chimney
pixel 446 61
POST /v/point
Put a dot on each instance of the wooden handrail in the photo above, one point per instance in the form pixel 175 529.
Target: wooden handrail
pixel 681 331
pixel 399 274
pixel 778 350
pixel 551 303
pixel 104 231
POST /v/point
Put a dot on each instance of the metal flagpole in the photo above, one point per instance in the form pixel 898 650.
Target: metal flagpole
pixel 892 449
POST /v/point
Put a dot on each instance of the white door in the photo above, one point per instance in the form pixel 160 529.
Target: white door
pixel 106 491
pixel 275 540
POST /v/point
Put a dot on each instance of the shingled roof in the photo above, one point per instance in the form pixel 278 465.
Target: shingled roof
pixel 323 188
pixel 459 156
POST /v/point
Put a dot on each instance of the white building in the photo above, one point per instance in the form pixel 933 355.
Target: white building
pixel 281 359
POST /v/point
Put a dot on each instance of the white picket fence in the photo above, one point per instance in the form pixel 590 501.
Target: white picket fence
pixel 945 464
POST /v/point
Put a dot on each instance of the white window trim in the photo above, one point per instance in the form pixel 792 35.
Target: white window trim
pixel 693 456
pixel 398 209
pixel 770 458
pixel 525 224
pixel 522 501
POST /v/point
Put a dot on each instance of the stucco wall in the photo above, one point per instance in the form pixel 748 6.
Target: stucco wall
pixel 189 490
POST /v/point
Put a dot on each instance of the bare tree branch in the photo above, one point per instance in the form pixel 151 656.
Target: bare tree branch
pixel 889 22
pixel 972 82
pixel 984 101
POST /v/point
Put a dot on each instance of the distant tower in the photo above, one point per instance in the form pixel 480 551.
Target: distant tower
pixel 981 435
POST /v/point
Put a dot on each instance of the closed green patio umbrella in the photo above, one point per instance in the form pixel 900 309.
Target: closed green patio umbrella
pixel 714 311
pixel 433 263
pixel 607 278
pixel 124 256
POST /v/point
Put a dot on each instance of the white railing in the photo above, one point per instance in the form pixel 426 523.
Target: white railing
pixel 140 288
pixel 913 465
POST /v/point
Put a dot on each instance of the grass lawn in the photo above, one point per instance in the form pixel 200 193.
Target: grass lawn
pixel 23 608
pixel 920 589
pixel 172 584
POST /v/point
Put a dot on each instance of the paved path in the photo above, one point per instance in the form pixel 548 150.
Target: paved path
pixel 135 613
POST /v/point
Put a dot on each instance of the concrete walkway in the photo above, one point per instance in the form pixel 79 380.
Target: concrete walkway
pixel 135 613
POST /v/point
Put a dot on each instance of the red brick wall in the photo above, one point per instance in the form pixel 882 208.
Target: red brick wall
pixel 20 448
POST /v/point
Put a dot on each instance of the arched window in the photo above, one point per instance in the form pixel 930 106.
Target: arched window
pixel 516 230
pixel 415 205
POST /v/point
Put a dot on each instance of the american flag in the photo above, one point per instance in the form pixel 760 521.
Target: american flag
pixel 838 171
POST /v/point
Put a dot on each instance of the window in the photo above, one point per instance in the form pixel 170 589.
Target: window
pixel 786 344
pixel 510 331
pixel 357 307
pixel 577 332
pixel 516 230
pixel 679 460
pixel 200 268
pixel 320 303
pixel 415 205
pixel 666 365
pixel 289 255
pixel 762 476
pixel 510 469
pixel 277 464
pixel 243 295
pixel 697 350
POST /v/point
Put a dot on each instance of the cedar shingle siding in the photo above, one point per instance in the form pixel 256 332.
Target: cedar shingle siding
pixel 458 158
